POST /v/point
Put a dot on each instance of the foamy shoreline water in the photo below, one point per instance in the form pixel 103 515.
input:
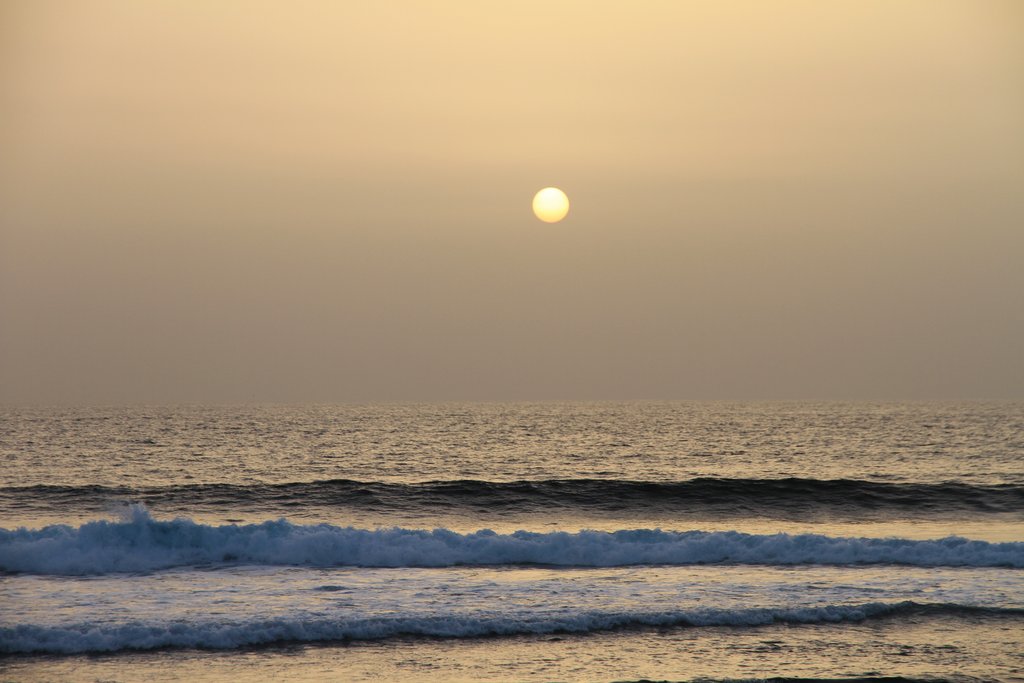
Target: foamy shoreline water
pixel 91 637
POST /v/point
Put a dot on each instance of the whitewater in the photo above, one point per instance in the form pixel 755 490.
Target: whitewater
pixel 146 544
pixel 91 637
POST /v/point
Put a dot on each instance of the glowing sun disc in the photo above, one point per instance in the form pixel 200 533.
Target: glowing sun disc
pixel 550 205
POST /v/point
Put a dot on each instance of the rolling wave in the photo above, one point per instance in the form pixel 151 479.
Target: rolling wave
pixel 209 634
pixel 142 543
pixel 792 496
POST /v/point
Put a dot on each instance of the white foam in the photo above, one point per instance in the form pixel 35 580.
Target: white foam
pixel 144 544
pixel 105 637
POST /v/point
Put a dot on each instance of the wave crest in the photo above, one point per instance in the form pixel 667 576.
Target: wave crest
pixel 792 497
pixel 100 637
pixel 141 543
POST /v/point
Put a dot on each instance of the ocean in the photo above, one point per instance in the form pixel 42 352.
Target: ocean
pixel 513 542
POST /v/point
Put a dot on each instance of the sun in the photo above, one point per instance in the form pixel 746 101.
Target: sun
pixel 550 204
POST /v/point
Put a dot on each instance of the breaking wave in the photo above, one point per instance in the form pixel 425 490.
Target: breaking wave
pixel 106 637
pixel 141 543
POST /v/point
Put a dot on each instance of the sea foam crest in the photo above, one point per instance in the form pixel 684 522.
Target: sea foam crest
pixel 141 543
pixel 106 637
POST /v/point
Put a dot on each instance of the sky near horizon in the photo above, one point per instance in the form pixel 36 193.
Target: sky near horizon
pixel 318 201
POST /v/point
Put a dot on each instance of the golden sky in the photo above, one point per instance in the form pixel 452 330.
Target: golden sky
pixel 330 201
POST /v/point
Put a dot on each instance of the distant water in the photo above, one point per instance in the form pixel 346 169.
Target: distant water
pixel 604 541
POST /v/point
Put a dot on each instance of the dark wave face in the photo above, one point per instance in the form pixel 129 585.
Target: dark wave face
pixel 780 498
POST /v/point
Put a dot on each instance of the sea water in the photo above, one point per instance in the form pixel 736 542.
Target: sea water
pixel 596 541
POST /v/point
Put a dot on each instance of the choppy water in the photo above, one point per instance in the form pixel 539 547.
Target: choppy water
pixel 513 542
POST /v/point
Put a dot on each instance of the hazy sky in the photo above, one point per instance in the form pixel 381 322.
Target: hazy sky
pixel 330 201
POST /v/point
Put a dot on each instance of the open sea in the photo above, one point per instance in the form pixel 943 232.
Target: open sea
pixel 513 542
